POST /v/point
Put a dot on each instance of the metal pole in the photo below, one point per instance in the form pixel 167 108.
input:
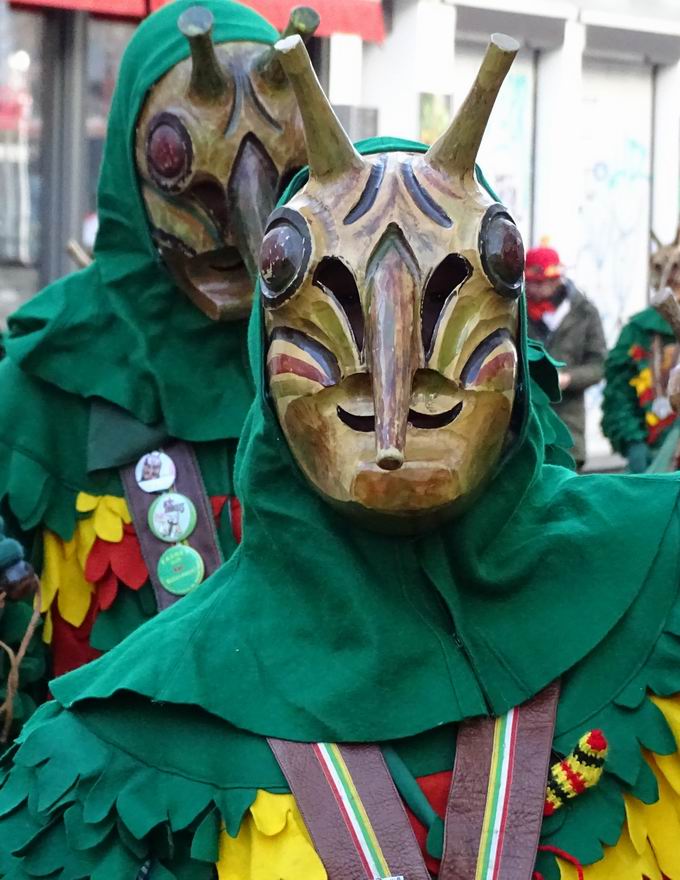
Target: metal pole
pixel 64 157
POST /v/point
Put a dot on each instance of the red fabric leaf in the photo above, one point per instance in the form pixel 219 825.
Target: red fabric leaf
pixel 435 787
pixel 217 502
pixel 236 518
pixel 656 430
pixel 97 561
pixel 106 591
pixel 127 560
pixel 71 645
pixel 638 353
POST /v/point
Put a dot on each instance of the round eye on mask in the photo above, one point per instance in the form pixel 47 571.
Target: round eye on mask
pixel 502 252
pixel 284 256
pixel 169 152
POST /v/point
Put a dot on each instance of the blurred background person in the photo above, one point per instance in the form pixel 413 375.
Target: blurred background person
pixel 569 326
pixel 637 417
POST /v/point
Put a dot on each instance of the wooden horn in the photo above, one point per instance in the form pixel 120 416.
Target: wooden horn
pixel 456 150
pixel 303 21
pixel 208 83
pixel 330 152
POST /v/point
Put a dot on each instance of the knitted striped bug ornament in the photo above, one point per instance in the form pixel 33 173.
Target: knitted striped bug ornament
pixel 580 770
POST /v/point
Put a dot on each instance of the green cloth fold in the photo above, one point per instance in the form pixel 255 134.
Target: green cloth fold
pixel 120 329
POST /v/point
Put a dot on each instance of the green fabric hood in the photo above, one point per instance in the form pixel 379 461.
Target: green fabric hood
pixel 319 630
pixel 651 321
pixel 120 329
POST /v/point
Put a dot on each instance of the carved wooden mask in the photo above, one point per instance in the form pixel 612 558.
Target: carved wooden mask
pixel 664 265
pixel 217 140
pixel 390 289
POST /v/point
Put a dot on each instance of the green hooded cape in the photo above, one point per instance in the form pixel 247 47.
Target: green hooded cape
pixel 623 418
pixel 120 329
pixel 318 630
pixel 111 361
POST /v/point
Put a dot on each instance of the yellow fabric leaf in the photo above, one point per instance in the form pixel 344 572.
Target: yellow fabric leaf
pixel 669 765
pixel 663 826
pixel 86 503
pixel 272 844
pixel 49 580
pixel 109 513
pixel 63 575
pixel 47 629
pixel 637 824
pixel 620 862
pixel 649 846
pixel 642 381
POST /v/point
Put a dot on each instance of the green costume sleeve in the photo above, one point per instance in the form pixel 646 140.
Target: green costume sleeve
pixel 622 418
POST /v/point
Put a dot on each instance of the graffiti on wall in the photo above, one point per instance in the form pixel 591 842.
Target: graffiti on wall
pixel 612 260
pixel 507 148
pixel 506 153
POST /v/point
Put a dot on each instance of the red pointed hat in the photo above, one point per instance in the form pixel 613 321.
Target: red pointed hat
pixel 543 263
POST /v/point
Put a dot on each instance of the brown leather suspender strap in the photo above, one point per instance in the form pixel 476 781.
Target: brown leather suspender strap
pixel 352 810
pixel 495 808
pixel 493 817
pixel 203 539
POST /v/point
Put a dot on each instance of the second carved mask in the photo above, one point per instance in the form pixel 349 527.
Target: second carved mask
pixel 218 138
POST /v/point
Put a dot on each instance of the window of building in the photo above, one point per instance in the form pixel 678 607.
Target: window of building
pixel 20 139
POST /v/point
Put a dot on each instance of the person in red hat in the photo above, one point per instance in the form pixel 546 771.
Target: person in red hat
pixel 569 326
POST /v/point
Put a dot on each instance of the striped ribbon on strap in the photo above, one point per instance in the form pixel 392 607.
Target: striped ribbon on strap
pixel 352 810
pixel 495 809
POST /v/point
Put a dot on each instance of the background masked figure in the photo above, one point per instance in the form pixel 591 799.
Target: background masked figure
pixel 140 358
pixel 636 414
pixel 414 586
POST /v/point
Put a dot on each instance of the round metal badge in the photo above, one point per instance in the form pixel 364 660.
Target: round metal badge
pixel 180 569
pixel 155 472
pixel 172 517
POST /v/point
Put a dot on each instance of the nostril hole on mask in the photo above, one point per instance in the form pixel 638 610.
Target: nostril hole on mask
pixel 443 284
pixel 336 280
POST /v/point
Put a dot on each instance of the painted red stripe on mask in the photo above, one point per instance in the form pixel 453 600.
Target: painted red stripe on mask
pixel 285 363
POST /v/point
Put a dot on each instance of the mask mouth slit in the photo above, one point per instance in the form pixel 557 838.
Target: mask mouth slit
pixel 427 421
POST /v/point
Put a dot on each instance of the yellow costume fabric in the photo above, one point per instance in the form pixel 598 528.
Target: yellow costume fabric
pixel 272 844
pixel 63 576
